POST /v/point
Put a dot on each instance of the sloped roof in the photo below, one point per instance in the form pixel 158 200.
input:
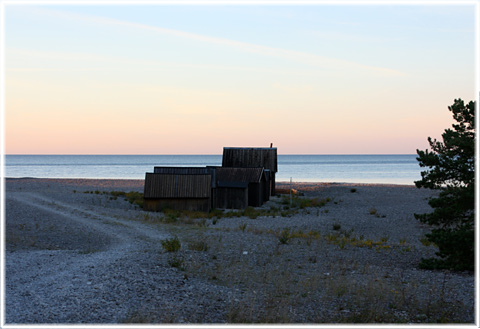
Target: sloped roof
pixel 177 186
pixel 182 170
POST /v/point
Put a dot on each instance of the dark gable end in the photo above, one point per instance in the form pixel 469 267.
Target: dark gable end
pixel 253 157
pixel 250 157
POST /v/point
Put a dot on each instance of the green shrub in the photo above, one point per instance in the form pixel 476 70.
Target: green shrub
pixel 215 213
pixel 242 227
pixel 135 198
pixel 284 236
pixel 171 218
pixel 250 212
pixel 171 245
pixel 177 262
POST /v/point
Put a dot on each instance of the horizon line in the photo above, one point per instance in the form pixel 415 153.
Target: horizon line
pixel 199 154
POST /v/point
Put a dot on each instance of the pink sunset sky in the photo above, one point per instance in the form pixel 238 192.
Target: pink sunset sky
pixel 190 79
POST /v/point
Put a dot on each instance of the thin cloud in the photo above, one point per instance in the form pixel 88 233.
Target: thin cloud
pixel 96 62
pixel 292 55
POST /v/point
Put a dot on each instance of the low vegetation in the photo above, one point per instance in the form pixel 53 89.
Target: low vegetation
pixel 279 284
pixel 285 207
pixel 135 198
pixel 171 245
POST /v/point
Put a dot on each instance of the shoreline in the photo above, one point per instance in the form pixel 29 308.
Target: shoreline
pixel 283 184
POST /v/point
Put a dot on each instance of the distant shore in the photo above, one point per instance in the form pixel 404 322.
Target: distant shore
pixel 138 183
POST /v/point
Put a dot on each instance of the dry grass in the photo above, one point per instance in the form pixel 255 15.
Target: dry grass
pixel 277 289
pixel 280 273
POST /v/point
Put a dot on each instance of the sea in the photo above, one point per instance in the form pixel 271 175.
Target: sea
pixel 400 169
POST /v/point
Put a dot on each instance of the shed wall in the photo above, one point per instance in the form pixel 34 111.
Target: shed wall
pixel 177 204
pixel 177 186
pixel 255 194
pixel 230 198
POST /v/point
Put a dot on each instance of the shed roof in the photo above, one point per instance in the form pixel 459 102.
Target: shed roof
pixel 182 170
pixel 177 186
pixel 250 157
pixel 249 175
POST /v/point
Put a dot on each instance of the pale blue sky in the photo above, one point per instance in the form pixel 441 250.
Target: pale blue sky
pixel 318 78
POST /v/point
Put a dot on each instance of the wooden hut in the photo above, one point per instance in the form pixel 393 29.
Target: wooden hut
pixel 230 195
pixel 252 157
pixel 231 180
pixel 177 191
pixel 208 170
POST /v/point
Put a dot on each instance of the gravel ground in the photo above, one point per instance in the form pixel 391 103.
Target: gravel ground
pixel 74 257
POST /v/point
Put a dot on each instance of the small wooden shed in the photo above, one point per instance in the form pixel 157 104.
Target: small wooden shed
pixel 253 178
pixel 230 195
pixel 252 157
pixel 208 170
pixel 177 191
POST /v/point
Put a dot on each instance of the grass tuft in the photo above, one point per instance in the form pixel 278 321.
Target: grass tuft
pixel 284 236
pixel 171 245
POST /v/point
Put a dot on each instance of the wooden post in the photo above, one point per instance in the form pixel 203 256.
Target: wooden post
pixel 290 191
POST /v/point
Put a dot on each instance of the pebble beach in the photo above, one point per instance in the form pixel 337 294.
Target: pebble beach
pixel 76 253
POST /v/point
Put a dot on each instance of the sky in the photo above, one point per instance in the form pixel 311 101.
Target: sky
pixel 162 78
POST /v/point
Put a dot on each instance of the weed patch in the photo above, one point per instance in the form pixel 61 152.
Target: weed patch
pixel 135 198
pixel 284 236
pixel 171 245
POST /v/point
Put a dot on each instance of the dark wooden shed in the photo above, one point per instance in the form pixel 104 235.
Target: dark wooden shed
pixel 230 195
pixel 252 157
pixel 177 191
pixel 208 170
pixel 255 179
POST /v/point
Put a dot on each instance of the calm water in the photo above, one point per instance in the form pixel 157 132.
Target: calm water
pixel 394 169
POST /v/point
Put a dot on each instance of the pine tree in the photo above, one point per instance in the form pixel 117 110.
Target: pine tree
pixel 451 169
